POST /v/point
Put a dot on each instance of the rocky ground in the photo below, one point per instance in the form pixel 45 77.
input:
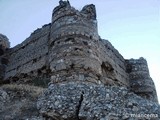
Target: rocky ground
pixel 74 101
pixel 87 101
pixel 18 102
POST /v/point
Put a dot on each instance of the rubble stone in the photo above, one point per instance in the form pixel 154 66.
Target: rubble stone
pixel 88 101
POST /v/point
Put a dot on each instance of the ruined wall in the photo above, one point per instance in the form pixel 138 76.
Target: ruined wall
pixel 140 81
pixel 70 49
pixel 4 46
pixel 27 58
pixel 113 64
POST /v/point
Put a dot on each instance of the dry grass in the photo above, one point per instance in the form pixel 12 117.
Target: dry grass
pixel 34 91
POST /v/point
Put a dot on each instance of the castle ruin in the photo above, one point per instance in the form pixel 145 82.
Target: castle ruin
pixel 69 49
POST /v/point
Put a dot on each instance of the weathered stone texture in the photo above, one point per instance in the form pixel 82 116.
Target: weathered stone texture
pixel 4 46
pixel 76 46
pixel 140 81
pixel 87 101
pixel 89 78
pixel 4 42
pixel 113 64
pixel 69 21
pixel 30 55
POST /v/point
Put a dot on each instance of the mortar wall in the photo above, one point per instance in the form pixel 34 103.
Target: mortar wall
pixel 109 55
pixel 30 55
pixel 140 81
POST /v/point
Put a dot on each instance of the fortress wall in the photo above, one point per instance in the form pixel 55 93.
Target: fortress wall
pixel 70 49
pixel 73 59
pixel 4 46
pixel 100 62
pixel 113 64
pixel 30 55
pixel 140 81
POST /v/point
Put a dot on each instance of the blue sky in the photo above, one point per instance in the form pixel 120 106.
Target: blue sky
pixel 132 26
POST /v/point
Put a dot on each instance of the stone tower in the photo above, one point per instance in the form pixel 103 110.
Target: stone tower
pixel 78 53
pixel 140 81
pixel 72 39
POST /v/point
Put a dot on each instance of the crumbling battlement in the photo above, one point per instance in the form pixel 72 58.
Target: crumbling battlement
pixel 140 81
pixel 28 57
pixel 70 49
pixel 4 45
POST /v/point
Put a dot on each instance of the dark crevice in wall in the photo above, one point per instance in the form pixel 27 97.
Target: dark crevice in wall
pixel 1 52
pixel 107 68
pixel 4 61
pixel 85 43
pixel 79 106
pixel 34 60
pixel 70 39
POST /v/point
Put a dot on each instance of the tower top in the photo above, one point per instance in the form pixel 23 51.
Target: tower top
pixel 64 3
pixel 4 41
pixel 66 20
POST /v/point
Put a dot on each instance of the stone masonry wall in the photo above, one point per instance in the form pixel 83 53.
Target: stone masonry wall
pixel 73 37
pixel 28 58
pixel 70 49
pixel 113 64
pixel 76 50
pixel 4 46
pixel 140 81
pixel 73 45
